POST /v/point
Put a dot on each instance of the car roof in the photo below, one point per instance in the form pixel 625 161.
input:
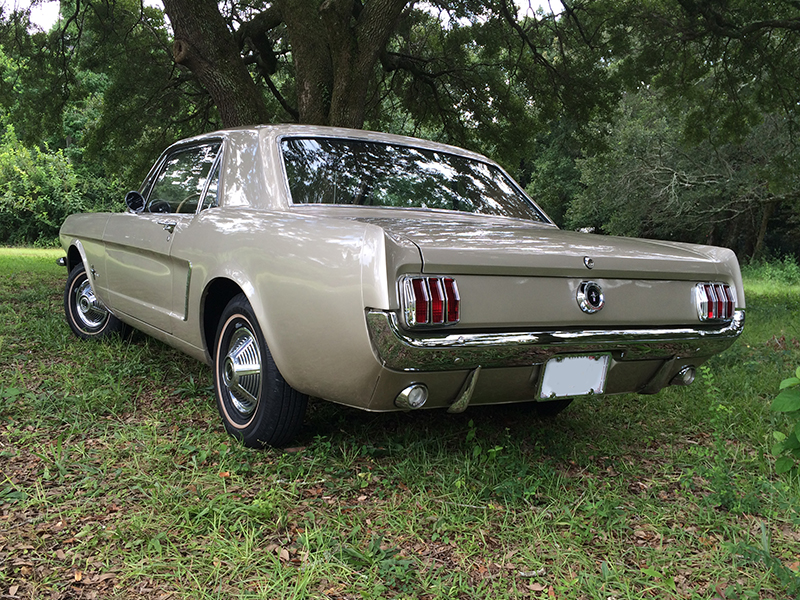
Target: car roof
pixel 279 131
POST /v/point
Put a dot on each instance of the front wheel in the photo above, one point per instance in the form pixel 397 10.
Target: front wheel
pixel 86 315
pixel 256 404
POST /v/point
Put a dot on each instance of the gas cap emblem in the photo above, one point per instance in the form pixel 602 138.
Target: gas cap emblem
pixel 590 296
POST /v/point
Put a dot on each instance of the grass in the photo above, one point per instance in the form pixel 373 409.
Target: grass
pixel 118 480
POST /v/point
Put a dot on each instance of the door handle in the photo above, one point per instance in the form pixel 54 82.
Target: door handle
pixel 168 225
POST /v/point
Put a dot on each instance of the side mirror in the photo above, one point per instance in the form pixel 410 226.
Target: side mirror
pixel 134 201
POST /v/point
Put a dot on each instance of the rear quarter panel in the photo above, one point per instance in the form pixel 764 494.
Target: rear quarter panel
pixel 308 281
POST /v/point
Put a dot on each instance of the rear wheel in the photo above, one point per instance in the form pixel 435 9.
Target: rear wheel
pixel 86 315
pixel 256 404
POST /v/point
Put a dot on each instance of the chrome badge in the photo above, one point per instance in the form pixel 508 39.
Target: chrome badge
pixel 590 296
pixel 589 262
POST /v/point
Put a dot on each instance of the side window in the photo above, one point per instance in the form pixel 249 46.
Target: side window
pixel 179 185
pixel 210 200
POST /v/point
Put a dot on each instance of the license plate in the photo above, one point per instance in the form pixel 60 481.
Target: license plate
pixel 574 376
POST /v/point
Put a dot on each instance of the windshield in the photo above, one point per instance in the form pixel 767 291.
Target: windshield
pixel 362 173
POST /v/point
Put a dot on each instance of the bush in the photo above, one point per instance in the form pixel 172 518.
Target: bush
pixel 785 271
pixel 787 446
pixel 39 189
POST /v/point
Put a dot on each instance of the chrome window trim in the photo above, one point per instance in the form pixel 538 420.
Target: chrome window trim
pixel 216 168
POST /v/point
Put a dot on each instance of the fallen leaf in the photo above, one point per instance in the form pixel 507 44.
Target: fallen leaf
pixel 225 474
pixel 537 587
pixel 78 575
pixel 12 591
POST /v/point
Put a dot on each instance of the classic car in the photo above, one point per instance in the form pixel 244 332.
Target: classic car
pixel 385 273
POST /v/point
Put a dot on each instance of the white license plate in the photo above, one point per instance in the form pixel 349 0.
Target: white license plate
pixel 574 376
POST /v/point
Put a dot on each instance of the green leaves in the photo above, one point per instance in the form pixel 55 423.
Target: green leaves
pixel 788 400
pixel 787 447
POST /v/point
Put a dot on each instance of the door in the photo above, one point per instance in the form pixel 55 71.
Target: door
pixel 139 269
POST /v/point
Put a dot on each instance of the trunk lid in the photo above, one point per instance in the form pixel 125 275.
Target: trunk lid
pixel 481 245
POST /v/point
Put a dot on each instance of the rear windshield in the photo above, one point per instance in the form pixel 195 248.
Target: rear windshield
pixel 363 173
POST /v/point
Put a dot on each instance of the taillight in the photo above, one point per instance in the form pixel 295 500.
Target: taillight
pixel 421 300
pixel 453 300
pixel 430 301
pixel 714 301
pixel 437 300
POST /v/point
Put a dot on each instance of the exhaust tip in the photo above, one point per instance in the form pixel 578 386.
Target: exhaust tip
pixel 412 398
pixel 685 376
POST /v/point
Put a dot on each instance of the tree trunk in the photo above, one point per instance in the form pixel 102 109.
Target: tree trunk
pixel 205 46
pixel 356 46
pixel 311 54
pixel 335 48
pixel 766 213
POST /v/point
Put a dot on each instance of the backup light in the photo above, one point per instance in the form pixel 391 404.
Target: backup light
pixel 413 397
pixel 430 301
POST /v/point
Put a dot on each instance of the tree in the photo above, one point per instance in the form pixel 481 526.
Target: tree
pixel 651 182
pixel 335 47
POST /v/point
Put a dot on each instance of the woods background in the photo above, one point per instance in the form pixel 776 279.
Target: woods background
pixel 674 119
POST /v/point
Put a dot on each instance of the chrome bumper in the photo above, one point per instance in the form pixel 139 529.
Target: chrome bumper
pixel 402 350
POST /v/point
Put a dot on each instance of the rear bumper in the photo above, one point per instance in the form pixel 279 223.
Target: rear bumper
pixel 402 350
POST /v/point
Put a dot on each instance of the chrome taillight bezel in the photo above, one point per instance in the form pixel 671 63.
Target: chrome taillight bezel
pixel 714 301
pixel 429 290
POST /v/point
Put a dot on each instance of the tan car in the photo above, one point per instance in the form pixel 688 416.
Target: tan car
pixel 385 273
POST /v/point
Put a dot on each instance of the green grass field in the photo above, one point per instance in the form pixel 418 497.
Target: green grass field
pixel 118 480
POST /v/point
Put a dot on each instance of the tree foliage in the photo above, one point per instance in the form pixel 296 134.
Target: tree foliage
pixel 665 118
pixel 39 189
pixel 651 182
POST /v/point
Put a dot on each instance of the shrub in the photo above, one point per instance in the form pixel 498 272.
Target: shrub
pixel 784 271
pixel 787 447
pixel 37 191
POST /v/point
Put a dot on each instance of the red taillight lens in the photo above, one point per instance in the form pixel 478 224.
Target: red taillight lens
pixel 730 303
pixel 453 300
pixel 714 301
pixel 437 300
pixel 430 301
pixel 421 299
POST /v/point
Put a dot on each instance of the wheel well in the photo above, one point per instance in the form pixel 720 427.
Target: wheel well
pixel 73 258
pixel 218 293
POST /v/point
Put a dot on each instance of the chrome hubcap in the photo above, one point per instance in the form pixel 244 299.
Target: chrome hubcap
pixel 90 311
pixel 241 371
